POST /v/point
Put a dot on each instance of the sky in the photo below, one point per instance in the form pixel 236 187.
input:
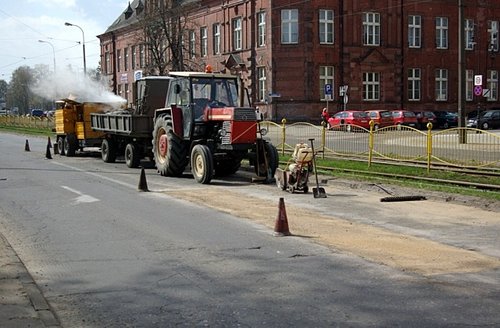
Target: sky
pixel 24 22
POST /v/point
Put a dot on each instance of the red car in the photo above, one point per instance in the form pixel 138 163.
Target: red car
pixel 404 117
pixel 424 117
pixel 381 118
pixel 350 117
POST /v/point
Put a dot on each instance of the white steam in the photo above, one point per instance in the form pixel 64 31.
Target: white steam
pixel 75 86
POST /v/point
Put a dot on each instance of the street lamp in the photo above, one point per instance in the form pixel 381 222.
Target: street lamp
pixel 83 45
pixel 53 52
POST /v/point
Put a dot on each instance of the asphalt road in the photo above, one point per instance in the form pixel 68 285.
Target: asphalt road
pixel 107 255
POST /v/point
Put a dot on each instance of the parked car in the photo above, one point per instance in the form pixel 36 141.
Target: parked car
pixel 381 118
pixel 404 117
pixel 424 117
pixel 489 119
pixel 37 113
pixel 446 119
pixel 350 117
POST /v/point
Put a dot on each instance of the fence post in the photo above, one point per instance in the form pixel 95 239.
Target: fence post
pixel 323 138
pixel 283 136
pixel 370 143
pixel 429 146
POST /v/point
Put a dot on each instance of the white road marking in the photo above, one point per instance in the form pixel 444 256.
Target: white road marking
pixel 82 198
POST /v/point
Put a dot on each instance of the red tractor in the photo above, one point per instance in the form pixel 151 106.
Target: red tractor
pixel 204 125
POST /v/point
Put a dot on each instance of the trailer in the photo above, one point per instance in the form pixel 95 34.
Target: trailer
pixel 73 130
pixel 129 131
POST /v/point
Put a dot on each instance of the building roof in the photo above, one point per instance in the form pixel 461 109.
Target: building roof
pixel 129 16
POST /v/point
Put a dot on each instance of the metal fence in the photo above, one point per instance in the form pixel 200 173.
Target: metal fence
pixel 460 147
pixel 456 147
pixel 27 122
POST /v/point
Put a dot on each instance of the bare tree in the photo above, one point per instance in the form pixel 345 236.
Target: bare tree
pixel 163 25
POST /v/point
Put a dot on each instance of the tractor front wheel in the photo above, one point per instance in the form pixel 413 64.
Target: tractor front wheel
pixel 202 165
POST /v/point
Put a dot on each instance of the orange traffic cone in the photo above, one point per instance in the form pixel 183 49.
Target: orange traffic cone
pixel 27 146
pixel 47 153
pixel 281 225
pixel 143 185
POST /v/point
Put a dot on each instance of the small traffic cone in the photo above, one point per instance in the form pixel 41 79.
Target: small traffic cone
pixel 143 185
pixel 47 153
pixel 48 141
pixel 281 225
pixel 27 146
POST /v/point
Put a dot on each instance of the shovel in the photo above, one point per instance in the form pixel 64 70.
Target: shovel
pixel 318 192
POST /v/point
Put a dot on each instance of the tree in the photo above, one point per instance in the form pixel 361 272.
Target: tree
pixel 3 91
pixel 163 26
pixel 19 94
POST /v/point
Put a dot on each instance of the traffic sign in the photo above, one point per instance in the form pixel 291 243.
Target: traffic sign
pixel 478 80
pixel 478 90
pixel 328 89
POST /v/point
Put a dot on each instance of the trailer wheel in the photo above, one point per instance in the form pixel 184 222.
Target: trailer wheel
pixel 169 151
pixel 70 145
pixel 132 155
pixel 60 145
pixel 108 151
pixel 202 165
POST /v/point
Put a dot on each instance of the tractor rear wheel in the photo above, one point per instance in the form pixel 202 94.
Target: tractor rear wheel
pixel 202 165
pixel 169 151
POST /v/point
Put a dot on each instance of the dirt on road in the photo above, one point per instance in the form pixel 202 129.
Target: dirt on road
pixel 335 229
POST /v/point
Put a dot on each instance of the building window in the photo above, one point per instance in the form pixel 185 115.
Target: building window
pixel 289 26
pixel 134 57
pixel 492 86
pixel 414 31
pixel 216 37
pixel 469 85
pixel 261 29
pixel 371 86
pixel 371 29
pixel 441 85
pixel 469 34
pixel 414 84
pixel 493 35
pixel 142 58
pixel 237 34
pixel 441 33
pixel 192 44
pixel 118 60
pixel 125 59
pixel 262 86
pixel 107 63
pixel 326 26
pixel 204 42
pixel 326 76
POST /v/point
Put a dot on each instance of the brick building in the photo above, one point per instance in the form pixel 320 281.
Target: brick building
pixel 390 54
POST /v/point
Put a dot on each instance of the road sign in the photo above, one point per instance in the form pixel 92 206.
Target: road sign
pixel 478 90
pixel 478 80
pixel 328 89
pixel 486 93
pixel 343 90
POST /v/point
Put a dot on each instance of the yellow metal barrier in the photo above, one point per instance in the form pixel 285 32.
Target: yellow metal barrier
pixel 395 143
pixel 27 122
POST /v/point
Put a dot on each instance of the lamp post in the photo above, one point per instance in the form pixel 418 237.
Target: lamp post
pixel 53 52
pixel 83 45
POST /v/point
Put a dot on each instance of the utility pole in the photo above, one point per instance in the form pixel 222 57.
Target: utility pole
pixel 461 73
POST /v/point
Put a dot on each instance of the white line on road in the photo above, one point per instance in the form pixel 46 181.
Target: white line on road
pixel 82 198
